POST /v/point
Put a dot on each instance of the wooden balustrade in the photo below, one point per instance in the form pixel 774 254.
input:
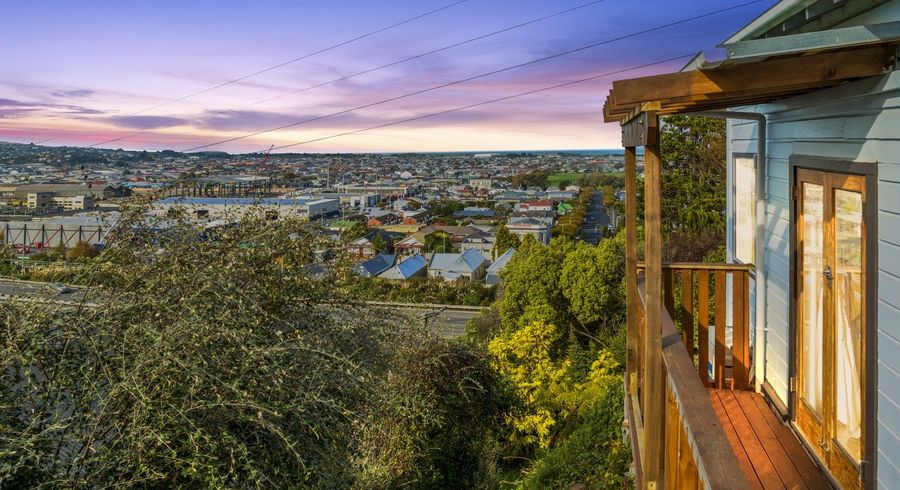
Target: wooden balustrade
pixel 701 311
pixel 696 453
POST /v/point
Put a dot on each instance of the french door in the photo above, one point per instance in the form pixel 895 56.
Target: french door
pixel 831 320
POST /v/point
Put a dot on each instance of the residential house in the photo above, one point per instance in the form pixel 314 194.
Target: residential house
pixel 526 225
pixel 541 205
pixel 409 268
pixel 375 266
pixel 493 272
pixel 466 266
pixel 415 243
pixel 797 381
pixel 475 212
pixel 481 241
pixel 364 247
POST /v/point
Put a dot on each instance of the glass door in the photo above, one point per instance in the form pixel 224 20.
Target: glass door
pixel 830 344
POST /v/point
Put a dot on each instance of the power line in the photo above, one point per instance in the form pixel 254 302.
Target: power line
pixel 492 101
pixel 475 77
pixel 434 51
pixel 274 67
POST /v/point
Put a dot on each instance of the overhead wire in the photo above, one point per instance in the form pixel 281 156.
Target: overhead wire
pixel 474 77
pixel 434 51
pixel 273 67
pixel 479 104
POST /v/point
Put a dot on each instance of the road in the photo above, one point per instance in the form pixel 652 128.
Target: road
pixel 448 321
pixel 595 220
pixel 451 323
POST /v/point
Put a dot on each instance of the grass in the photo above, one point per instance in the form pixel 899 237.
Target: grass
pixel 553 180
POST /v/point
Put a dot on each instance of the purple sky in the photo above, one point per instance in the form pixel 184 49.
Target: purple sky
pixel 81 70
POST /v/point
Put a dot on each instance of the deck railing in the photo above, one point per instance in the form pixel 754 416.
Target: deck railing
pixel 700 312
pixel 696 452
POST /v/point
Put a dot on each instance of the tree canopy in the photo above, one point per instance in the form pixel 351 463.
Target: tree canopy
pixel 505 241
pixel 214 360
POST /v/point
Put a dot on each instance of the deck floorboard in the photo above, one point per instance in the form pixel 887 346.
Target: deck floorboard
pixel 769 453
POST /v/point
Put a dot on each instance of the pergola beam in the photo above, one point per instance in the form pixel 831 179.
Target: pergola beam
pixel 732 84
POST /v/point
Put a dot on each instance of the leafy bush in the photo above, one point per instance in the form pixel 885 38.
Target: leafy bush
pixel 592 453
pixel 219 363
pixel 440 426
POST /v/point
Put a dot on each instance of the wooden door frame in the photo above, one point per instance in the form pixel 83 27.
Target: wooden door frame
pixel 869 171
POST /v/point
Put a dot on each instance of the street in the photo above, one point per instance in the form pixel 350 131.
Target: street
pixel 595 220
pixel 446 320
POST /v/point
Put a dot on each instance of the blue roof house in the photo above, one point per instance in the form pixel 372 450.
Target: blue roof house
pixel 415 266
pixel 376 265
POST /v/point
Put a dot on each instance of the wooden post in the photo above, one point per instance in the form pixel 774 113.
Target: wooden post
pixel 654 377
pixel 631 294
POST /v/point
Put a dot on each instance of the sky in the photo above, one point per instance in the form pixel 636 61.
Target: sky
pixel 82 73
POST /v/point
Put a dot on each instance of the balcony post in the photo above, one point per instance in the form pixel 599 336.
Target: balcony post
pixel 654 376
pixel 631 296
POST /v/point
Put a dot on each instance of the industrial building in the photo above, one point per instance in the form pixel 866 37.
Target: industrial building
pixel 235 207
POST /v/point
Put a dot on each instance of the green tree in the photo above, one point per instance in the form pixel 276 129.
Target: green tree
pixel 438 241
pixel 564 183
pixel 505 241
pixel 693 183
pixel 218 365
pixel 356 230
pixel 592 280
pixel 531 284
pixel 380 244
pixel 82 250
pixel 450 394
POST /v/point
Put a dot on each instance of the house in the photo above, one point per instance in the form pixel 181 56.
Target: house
pixel 481 241
pixel 493 272
pixel 367 246
pixel 541 205
pixel 466 266
pixel 415 243
pixel 410 268
pixel 798 384
pixel 411 245
pixel 479 184
pixel 475 212
pixel 380 217
pixel 376 265
pixel 527 225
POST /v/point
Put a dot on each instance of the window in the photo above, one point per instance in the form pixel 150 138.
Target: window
pixel 744 205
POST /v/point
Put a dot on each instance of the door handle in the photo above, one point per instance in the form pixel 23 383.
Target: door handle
pixel 827 274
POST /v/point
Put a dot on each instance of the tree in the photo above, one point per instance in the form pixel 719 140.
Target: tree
pixel 564 183
pixel 449 392
pixel 693 183
pixel 525 357
pixel 83 250
pixel 355 231
pixel 592 280
pixel 380 244
pixel 220 365
pixel 531 284
pixel 505 241
pixel 438 241
pixel 609 196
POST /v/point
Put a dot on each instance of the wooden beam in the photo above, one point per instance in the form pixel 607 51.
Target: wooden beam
pixel 762 77
pixel 631 298
pixel 654 372
pixel 642 130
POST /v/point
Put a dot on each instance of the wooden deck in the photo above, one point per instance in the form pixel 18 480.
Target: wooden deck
pixel 769 453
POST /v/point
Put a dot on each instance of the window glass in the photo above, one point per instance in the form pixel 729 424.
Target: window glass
pixel 744 200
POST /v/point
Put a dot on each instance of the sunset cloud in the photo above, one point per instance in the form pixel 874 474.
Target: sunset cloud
pixel 97 85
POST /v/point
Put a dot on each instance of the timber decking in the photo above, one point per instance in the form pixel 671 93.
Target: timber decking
pixel 769 453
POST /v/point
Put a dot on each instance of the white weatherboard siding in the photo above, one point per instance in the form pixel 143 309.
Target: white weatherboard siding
pixel 858 121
